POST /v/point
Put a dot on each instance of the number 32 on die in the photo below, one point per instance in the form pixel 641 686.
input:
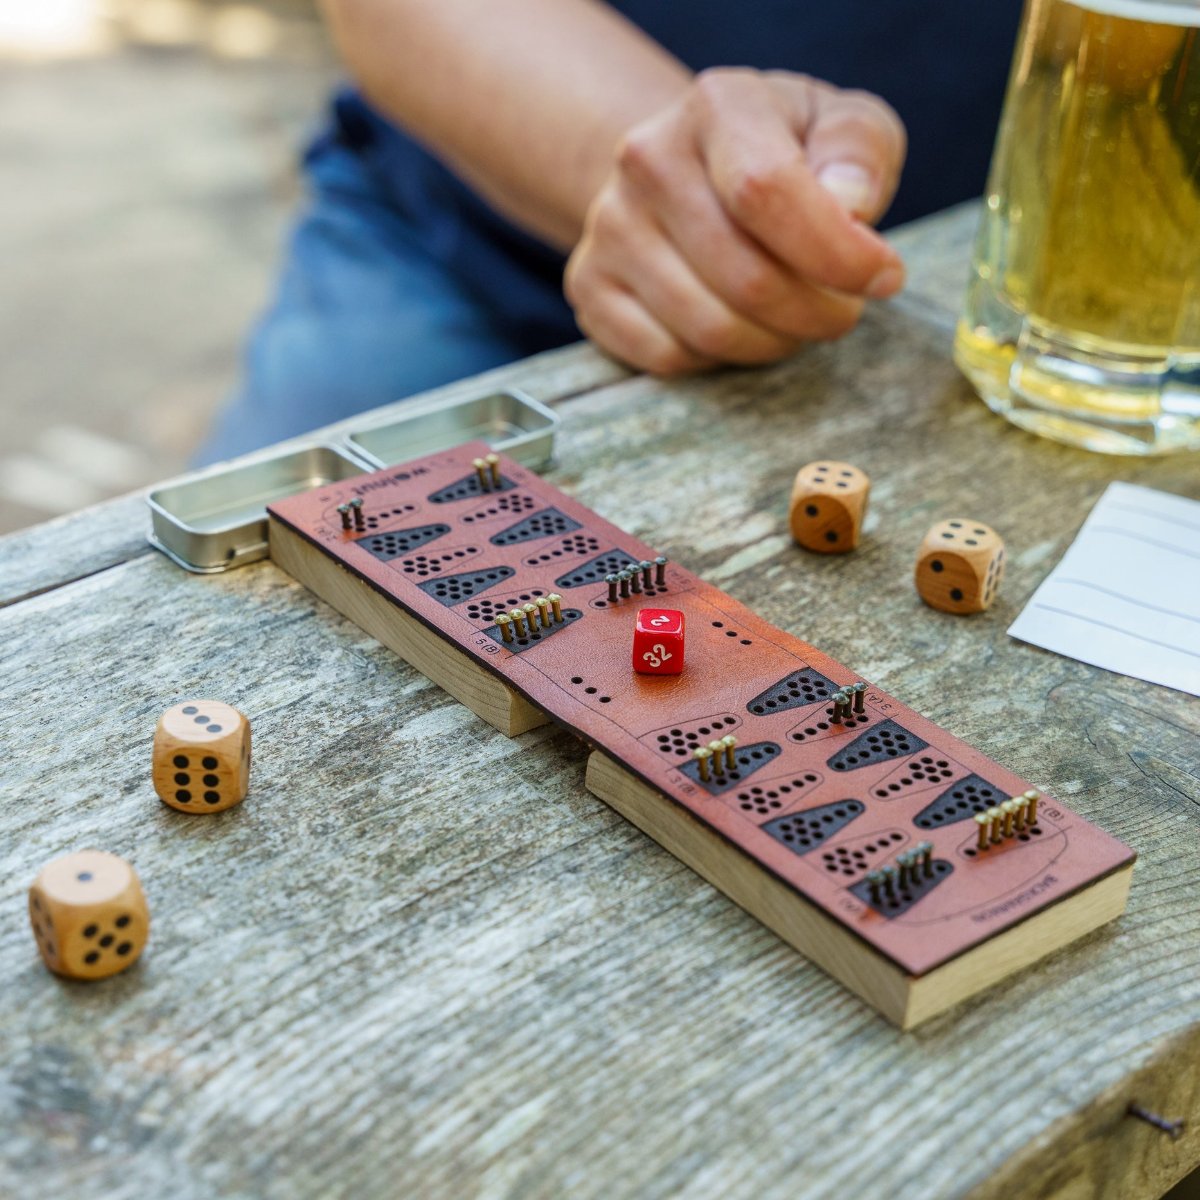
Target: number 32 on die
pixel 658 642
pixel 657 655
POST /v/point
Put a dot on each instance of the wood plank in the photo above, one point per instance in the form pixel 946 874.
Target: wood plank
pixel 421 959
pixel 516 984
pixel 70 548
pixel 73 547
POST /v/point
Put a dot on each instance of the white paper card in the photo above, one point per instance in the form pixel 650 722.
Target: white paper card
pixel 1126 595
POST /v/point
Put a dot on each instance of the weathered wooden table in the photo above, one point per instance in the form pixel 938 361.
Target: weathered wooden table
pixel 421 960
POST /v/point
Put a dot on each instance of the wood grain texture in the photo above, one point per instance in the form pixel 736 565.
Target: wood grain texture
pixel 68 548
pixel 421 959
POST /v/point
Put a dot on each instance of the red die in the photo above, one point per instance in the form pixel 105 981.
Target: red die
pixel 658 641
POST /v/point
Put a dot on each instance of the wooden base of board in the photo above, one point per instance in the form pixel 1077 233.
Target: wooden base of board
pixel 905 1000
pixel 448 667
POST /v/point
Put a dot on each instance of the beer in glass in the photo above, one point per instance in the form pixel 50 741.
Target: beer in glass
pixel 1082 317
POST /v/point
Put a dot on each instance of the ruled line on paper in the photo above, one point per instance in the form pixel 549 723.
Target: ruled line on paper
pixel 1126 594
pixel 1141 637
pixel 1149 541
pixel 1158 516
pixel 1095 587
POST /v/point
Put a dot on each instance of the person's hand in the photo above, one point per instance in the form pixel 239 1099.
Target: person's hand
pixel 732 226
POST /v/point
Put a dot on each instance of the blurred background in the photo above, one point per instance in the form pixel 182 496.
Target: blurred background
pixel 148 155
pixel 147 172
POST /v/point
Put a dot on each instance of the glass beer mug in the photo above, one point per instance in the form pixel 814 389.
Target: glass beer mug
pixel 1082 317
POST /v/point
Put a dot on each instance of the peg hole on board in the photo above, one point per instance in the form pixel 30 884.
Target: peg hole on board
pixel 680 740
pixel 589 690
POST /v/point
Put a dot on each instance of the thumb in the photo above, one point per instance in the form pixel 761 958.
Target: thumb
pixel 854 142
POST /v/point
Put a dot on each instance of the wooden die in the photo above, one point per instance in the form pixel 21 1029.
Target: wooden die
pixel 829 501
pixel 959 566
pixel 202 756
pixel 89 915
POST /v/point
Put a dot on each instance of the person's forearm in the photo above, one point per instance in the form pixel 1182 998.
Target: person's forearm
pixel 526 99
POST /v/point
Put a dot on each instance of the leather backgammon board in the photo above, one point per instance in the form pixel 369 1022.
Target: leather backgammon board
pixel 906 863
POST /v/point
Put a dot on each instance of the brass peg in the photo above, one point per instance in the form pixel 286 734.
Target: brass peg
pixel 518 620
pixel 1010 809
pixel 730 744
pixel 492 462
pixel 926 851
pixel 983 821
pixel 1033 796
pixel 481 473
pixel 504 624
pixel 996 819
pixel 556 606
pixel 531 615
pixel 717 750
pixel 543 607
pixel 1022 814
pixel 702 754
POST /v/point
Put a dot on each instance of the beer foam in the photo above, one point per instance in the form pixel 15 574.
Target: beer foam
pixel 1162 12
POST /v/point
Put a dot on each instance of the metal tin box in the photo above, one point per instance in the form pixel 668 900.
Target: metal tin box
pixel 217 519
pixel 509 421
